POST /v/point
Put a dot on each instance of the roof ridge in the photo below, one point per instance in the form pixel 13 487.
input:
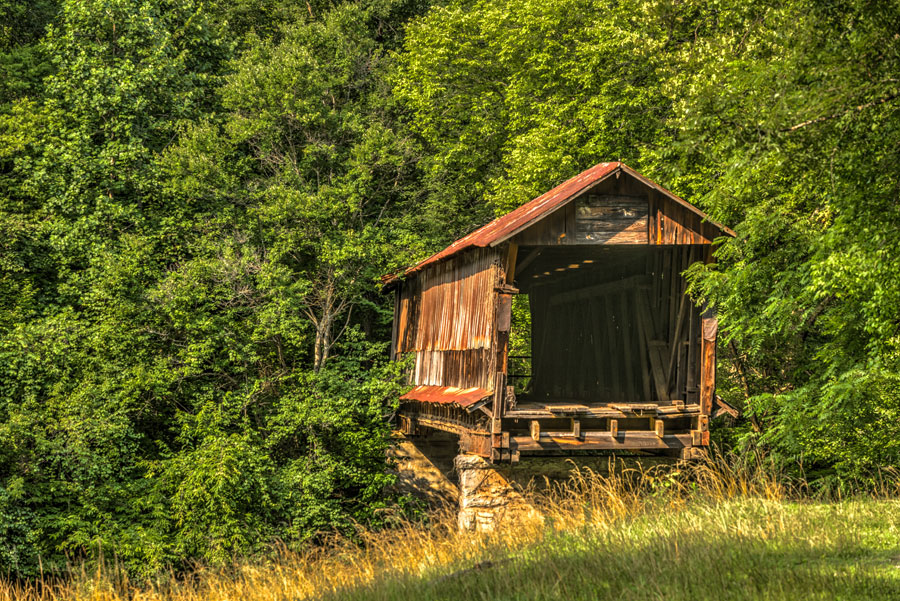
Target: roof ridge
pixel 505 226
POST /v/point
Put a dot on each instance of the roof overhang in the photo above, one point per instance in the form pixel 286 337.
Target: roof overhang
pixel 447 395
pixel 507 226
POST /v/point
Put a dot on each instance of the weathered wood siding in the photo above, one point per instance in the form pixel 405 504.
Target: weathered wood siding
pixel 447 316
pixel 618 330
pixel 621 210
pixel 611 219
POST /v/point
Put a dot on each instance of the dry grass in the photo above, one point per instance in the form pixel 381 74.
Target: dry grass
pixel 671 522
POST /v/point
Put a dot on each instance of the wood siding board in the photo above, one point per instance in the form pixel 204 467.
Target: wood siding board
pixel 627 350
pixel 640 298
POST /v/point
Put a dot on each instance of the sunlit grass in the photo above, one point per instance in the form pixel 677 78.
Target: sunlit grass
pixel 722 529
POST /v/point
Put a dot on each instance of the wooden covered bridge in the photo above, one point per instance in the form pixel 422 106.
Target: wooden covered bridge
pixel 610 354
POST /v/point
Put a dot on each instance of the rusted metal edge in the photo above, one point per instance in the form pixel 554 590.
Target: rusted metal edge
pixel 463 397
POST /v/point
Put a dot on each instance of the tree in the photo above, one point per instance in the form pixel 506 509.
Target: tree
pixel 787 120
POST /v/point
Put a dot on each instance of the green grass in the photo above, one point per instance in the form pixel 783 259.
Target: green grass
pixel 726 529
pixel 737 549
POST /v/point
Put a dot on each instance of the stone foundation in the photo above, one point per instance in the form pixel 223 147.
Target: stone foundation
pixel 488 495
pixel 431 468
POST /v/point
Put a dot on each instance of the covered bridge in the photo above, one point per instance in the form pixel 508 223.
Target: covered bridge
pixel 610 354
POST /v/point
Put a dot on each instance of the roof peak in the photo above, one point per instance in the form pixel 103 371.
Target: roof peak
pixel 506 226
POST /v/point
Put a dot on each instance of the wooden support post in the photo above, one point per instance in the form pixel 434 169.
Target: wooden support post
pixel 535 430
pixel 396 323
pixel 699 439
pixel 660 427
pixel 614 427
pixel 709 329
pixel 496 415
pixel 703 423
pixel 510 267
pixel 576 428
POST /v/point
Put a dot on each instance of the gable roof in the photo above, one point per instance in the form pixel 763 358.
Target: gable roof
pixel 505 227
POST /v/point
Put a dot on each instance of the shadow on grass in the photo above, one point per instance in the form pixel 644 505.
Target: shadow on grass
pixel 674 568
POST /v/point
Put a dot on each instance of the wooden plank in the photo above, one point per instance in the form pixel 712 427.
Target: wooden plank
pixel 611 219
pixel 693 348
pixel 571 227
pixel 673 294
pixel 674 346
pixel 497 409
pixel 512 254
pixel 590 202
pixel 615 360
pixel 596 329
pixel 592 441
pixel 585 356
pixel 395 327
pixel 655 351
pixel 681 370
pixel 529 411
pixel 643 349
pixel 709 328
pixel 627 350
pixel 504 312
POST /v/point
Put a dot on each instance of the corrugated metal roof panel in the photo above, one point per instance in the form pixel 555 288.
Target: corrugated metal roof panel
pixel 463 397
pixel 503 228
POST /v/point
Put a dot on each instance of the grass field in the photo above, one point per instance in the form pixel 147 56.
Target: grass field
pixel 715 531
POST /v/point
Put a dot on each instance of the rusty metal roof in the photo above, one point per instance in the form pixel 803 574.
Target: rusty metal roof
pixel 507 226
pixel 464 397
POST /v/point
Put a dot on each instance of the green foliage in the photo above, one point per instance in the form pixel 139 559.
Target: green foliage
pixel 512 97
pixel 197 199
pixel 797 116
pixel 192 343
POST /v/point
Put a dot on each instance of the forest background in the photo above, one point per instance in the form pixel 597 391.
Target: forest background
pixel 197 199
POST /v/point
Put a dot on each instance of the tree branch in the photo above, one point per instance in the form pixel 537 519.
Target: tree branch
pixel 861 107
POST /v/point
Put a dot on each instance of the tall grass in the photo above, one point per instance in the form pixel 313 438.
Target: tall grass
pixel 737 528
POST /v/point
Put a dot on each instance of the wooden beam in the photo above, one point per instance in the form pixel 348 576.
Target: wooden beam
pixel 606 288
pixel 602 441
pixel 655 350
pixel 396 323
pixel 625 328
pixel 528 260
pixel 614 428
pixel 529 411
pixel 511 255
pixel 644 351
pixel 535 430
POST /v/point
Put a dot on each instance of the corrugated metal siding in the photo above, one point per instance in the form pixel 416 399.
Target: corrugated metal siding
pixel 450 306
pixel 454 368
pixel 457 305
pixel 447 318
